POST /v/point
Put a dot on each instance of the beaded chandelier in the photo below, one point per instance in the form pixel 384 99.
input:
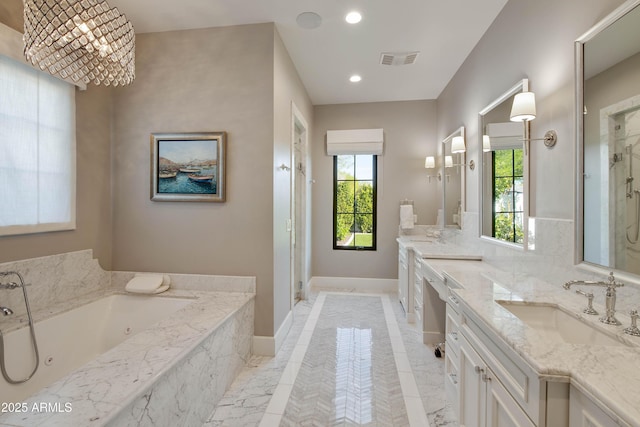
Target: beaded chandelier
pixel 84 40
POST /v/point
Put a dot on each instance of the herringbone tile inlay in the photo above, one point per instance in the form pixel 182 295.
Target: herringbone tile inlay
pixel 348 375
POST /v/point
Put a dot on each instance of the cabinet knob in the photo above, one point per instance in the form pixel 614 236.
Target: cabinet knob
pixel 454 378
pixel 478 369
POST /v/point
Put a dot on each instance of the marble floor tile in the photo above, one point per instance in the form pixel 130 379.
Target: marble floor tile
pixel 362 377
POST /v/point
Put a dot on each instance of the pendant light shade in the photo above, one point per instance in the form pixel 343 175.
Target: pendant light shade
pixel 83 40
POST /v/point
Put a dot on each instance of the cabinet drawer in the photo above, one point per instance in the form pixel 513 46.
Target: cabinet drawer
pixel 417 292
pixel 418 312
pixel 453 302
pixel 451 386
pixel 518 378
pixel 452 330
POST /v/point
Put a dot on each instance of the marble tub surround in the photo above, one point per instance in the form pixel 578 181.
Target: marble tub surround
pixel 196 282
pixel 54 281
pixel 58 283
pixel 607 373
pixel 176 369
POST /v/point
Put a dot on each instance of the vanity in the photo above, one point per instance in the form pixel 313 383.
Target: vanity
pixel 520 352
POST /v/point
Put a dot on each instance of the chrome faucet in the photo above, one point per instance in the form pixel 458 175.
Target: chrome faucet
pixel 6 311
pixel 610 296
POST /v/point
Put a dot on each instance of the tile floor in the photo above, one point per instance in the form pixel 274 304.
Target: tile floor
pixel 349 359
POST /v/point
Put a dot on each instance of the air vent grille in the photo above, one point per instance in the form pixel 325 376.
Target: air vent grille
pixel 398 58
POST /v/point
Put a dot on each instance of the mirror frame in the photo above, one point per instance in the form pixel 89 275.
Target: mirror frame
pixel 610 19
pixel 463 176
pixel 520 86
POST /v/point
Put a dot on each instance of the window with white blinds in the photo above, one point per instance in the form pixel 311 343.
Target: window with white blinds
pixel 37 151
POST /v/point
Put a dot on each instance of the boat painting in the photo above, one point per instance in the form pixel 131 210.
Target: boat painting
pixel 190 170
pixel 200 178
pixel 167 175
pixel 188 167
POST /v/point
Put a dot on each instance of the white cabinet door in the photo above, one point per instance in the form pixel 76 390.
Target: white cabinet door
pixel 472 390
pixel 403 280
pixel 584 413
pixel 502 409
pixel 484 401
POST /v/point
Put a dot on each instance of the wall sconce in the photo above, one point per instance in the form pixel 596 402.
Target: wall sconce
pixel 524 110
pixel 486 143
pixel 457 145
pixel 430 163
pixel 448 163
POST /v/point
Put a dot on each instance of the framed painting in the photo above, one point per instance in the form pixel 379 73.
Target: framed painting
pixel 188 167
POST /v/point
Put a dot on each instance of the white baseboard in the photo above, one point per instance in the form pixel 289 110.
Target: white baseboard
pixel 356 284
pixel 269 346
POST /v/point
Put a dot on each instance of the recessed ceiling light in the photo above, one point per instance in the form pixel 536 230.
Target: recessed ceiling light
pixel 309 20
pixel 355 78
pixel 353 17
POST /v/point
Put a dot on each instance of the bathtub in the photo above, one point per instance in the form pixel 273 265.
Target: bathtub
pixel 129 360
pixel 71 339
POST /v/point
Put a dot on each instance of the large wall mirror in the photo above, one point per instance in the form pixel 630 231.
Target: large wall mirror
pixel 453 178
pixel 608 142
pixel 504 171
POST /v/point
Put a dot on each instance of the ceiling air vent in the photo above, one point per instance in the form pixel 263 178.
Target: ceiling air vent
pixel 398 58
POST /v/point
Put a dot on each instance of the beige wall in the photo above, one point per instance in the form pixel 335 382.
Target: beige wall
pixel 218 79
pixel 410 135
pixel 534 40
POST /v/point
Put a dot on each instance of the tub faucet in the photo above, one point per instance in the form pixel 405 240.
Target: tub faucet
pixel 610 296
pixel 6 311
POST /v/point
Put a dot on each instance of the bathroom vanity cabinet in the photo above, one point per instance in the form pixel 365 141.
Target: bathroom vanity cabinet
pixel 418 300
pixel 500 373
pixel 584 412
pixel 496 387
pixel 405 281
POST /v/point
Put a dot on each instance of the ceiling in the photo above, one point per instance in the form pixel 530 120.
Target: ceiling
pixel 443 31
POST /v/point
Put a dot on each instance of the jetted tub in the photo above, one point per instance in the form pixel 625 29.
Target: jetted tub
pixel 159 360
pixel 72 338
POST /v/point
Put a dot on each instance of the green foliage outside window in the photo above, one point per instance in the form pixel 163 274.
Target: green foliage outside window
pixel 507 195
pixel 354 216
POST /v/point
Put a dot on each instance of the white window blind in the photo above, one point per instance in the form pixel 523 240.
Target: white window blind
pixel 355 141
pixel 37 151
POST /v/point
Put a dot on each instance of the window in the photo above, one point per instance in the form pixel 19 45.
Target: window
pixel 354 201
pixel 37 151
pixel 508 202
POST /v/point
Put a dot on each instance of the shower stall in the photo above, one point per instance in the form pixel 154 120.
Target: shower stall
pixel 624 189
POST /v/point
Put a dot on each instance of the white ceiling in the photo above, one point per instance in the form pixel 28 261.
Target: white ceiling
pixel 444 31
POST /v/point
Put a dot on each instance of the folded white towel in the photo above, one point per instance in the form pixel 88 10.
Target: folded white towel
pixel 406 217
pixel 146 283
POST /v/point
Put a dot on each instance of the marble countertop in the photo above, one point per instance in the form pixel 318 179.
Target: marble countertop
pixel 608 373
pixel 425 247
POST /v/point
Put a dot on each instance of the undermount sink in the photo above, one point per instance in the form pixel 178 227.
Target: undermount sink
pixel 559 325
